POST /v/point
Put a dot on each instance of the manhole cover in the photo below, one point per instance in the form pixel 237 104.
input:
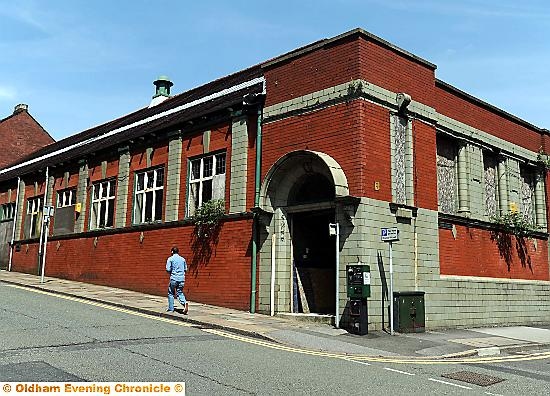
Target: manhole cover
pixel 473 378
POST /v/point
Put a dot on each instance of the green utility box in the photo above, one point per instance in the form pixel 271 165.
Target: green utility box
pixel 358 281
pixel 408 312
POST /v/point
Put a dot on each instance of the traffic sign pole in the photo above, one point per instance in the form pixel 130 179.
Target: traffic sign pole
pixel 390 235
pixel 391 288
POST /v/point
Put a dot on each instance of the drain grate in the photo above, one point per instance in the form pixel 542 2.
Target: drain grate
pixel 473 378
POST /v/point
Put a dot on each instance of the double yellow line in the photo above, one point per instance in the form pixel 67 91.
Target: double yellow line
pixel 285 348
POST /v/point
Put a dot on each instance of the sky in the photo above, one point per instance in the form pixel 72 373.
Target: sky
pixel 80 63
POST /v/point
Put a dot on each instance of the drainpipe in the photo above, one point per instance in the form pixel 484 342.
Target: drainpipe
pixel 14 222
pixel 256 204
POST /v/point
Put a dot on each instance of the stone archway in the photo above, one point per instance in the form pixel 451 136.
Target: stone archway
pixel 300 190
pixel 295 167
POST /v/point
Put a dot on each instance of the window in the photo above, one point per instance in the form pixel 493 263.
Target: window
pixel 34 217
pixel 149 196
pixel 490 183
pixel 103 204
pixel 206 181
pixel 7 211
pixel 446 174
pixel 66 198
pixel 399 159
pixel 527 193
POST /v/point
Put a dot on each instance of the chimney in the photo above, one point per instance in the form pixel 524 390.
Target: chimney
pixel 20 108
pixel 162 91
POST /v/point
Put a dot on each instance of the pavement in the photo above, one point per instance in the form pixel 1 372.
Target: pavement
pixel 304 331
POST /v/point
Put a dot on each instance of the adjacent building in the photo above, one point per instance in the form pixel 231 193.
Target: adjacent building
pixel 350 130
pixel 20 135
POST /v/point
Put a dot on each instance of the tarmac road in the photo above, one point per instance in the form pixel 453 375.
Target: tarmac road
pixel 44 337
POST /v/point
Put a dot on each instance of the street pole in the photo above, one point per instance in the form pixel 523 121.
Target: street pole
pixel 337 318
pixel 391 289
pixel 45 228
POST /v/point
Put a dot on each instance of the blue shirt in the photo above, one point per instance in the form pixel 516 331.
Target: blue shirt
pixel 176 266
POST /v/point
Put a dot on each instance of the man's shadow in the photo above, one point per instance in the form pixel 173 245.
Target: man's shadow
pixel 180 311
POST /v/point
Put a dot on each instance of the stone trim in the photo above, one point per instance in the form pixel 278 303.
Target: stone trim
pixel 239 165
pixel 493 280
pixel 123 181
pixel 81 195
pixel 362 89
pixel 173 181
pixel 20 206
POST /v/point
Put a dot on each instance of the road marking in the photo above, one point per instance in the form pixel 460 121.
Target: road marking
pixel 397 371
pixel 355 361
pixel 449 383
pixel 361 359
pixel 493 394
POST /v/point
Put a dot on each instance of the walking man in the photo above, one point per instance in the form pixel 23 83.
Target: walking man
pixel 176 266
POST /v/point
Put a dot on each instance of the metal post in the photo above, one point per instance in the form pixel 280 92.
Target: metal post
pixel 391 289
pixel 14 222
pixel 42 222
pixel 46 230
pixel 42 255
pixel 337 318
pixel 273 273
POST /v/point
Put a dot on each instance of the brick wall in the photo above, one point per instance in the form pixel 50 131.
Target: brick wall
pixel 425 169
pixel 20 135
pixel 326 67
pixel 469 113
pixel 334 131
pixel 477 252
pixel 390 70
pixel 120 260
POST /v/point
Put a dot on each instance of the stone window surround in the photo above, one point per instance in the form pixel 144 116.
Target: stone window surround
pixel 464 180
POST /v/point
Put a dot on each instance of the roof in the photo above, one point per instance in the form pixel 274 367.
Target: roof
pixel 168 115
pixel 358 32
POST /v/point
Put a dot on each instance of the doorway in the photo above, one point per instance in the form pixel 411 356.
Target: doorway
pixel 314 262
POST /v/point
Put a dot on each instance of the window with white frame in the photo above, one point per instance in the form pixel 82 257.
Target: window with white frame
pixel 34 217
pixel 103 204
pixel 149 196
pixel 7 211
pixel 206 181
pixel 66 198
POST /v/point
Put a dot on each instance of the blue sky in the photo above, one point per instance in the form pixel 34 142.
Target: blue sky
pixel 81 63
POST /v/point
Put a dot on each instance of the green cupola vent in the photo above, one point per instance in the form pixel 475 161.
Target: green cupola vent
pixel 162 85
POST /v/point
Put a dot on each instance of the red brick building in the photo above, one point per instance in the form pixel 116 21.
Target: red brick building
pixel 20 135
pixel 350 131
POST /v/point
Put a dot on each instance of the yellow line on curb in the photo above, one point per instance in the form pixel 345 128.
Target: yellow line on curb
pixel 285 348
pixel 101 305
pixel 380 359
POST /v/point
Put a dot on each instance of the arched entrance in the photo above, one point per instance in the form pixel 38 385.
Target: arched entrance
pixel 300 190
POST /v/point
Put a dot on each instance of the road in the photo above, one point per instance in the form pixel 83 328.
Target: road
pixel 45 337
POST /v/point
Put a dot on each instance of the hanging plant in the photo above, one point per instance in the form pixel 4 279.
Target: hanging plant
pixel 207 218
pixel 515 223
